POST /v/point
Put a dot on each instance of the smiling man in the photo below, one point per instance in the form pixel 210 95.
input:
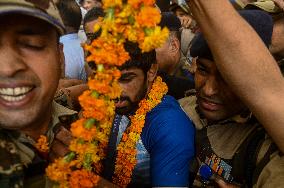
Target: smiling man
pixel 30 55
pixel 233 149
pixel 166 145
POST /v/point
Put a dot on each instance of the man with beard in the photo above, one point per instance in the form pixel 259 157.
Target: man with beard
pixel 166 145
pixel 233 149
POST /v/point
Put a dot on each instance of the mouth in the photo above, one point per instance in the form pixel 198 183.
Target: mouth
pixel 16 94
pixel 210 105
pixel 120 104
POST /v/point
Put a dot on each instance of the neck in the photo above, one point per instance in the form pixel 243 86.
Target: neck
pixel 40 126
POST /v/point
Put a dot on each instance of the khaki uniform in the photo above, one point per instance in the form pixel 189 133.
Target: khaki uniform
pixel 237 149
pixel 20 163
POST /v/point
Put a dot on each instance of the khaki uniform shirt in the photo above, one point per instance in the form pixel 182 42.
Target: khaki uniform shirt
pixel 18 147
pixel 226 139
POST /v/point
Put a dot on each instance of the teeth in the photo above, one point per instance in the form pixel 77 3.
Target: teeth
pixel 15 91
pixel 12 99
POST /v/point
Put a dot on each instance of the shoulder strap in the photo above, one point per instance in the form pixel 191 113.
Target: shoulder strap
pixel 252 168
pixel 109 163
pixel 251 154
pixel 259 167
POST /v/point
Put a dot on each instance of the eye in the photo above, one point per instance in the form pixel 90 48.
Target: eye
pixel 32 43
pixel 202 69
pixel 126 79
pixel 36 47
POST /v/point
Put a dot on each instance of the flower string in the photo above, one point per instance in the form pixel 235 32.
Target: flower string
pixel 134 21
pixel 126 154
pixel 42 144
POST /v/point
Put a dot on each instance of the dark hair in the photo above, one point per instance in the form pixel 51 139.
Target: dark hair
pixel 70 13
pixel 173 23
pixel 93 14
pixel 138 59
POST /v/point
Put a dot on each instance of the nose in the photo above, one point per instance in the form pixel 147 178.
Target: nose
pixel 10 61
pixel 210 87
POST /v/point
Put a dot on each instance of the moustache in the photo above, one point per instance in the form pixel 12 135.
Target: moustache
pixel 20 78
pixel 122 98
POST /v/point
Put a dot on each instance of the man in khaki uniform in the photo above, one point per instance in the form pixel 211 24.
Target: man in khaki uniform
pixel 30 56
pixel 233 149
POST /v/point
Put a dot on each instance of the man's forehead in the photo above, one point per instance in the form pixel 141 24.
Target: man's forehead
pixel 130 70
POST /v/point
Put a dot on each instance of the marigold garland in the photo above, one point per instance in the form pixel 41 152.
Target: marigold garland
pixel 42 144
pixel 134 21
pixel 126 150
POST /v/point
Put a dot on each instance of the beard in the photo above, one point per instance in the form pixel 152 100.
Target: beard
pixel 129 109
pixel 131 106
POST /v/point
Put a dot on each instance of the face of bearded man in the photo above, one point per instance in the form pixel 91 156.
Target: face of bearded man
pixel 134 88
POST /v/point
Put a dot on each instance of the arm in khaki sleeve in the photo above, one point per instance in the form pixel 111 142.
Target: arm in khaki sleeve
pixel 244 62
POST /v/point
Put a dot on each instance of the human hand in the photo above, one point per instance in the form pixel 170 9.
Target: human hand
pixel 185 21
pixel 60 144
pixel 64 83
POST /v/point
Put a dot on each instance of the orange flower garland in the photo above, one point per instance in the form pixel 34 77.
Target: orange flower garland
pixel 126 155
pixel 83 178
pixel 42 144
pixel 135 21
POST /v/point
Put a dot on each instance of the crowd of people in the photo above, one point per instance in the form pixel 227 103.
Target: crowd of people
pixel 219 125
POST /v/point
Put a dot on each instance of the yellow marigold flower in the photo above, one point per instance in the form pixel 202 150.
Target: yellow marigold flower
pixel 79 131
pixel 115 90
pixel 101 87
pixel 83 147
pixel 103 52
pixel 148 17
pixel 149 2
pixel 83 179
pixel 58 171
pixel 155 39
pixel 134 3
pixel 111 3
pixel 131 35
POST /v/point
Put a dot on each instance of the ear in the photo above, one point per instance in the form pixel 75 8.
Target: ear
pixel 152 72
pixel 61 60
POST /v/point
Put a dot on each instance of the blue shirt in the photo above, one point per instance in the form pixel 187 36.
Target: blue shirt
pixel 74 57
pixel 166 146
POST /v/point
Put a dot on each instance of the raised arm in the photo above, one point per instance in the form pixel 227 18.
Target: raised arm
pixel 244 62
